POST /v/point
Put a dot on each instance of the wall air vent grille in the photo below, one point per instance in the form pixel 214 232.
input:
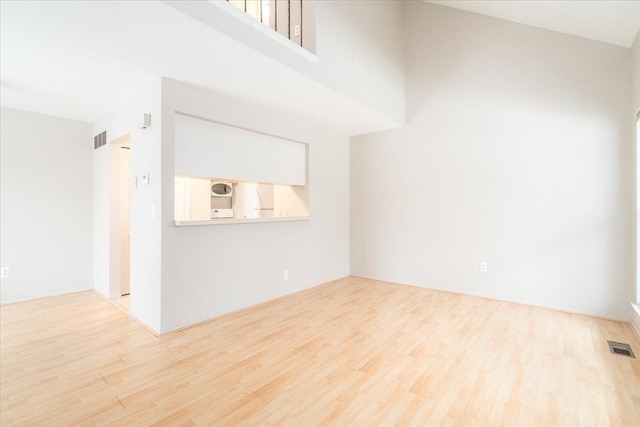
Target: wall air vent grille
pixel 620 348
pixel 100 140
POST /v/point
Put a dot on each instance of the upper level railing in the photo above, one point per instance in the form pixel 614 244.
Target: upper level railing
pixel 294 19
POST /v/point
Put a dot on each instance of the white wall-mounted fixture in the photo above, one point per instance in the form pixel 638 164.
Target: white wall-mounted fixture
pixel 484 266
pixel 144 121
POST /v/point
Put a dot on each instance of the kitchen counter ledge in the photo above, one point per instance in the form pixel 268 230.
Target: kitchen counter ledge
pixel 226 221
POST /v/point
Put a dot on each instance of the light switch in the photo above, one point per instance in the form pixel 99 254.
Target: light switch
pixel 145 178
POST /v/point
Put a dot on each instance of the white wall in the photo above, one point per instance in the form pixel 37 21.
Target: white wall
pixel 145 249
pixel 517 151
pixel 635 96
pixel 101 220
pixel 359 49
pixel 359 45
pixel 207 149
pixel 210 270
pixel 635 79
pixel 45 207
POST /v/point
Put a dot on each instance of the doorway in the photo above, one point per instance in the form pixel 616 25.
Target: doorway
pixel 120 200
pixel 125 234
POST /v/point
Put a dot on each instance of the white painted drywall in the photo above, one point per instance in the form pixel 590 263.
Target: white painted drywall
pixel 635 97
pixel 359 48
pixel 517 151
pixel 102 212
pixel 290 201
pixel 635 78
pixel 207 271
pixel 199 198
pixel 635 318
pixel 208 149
pixel 145 227
pixel 97 73
pixel 45 207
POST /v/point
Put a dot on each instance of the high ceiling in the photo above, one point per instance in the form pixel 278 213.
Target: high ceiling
pixel 80 59
pixel 611 21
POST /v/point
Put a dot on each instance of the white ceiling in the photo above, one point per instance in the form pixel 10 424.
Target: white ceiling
pixel 611 21
pixel 79 59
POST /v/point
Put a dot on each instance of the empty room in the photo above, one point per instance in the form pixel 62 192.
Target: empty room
pixel 319 212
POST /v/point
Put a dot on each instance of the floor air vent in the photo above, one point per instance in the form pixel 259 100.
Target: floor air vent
pixel 621 349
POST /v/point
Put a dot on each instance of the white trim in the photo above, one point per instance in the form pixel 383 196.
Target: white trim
pixel 229 125
pixel 239 221
pixel 247 307
pixel 559 310
pixel 635 318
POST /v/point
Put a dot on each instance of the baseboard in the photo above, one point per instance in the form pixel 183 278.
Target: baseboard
pixel 29 299
pixel 144 325
pixel 100 294
pixel 228 313
pixel 635 319
pixel 560 310
pixel 128 313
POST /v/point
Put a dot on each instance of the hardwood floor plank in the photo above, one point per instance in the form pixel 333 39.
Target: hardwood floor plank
pixel 350 352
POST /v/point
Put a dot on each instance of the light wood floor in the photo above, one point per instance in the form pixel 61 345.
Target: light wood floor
pixel 350 352
pixel 124 303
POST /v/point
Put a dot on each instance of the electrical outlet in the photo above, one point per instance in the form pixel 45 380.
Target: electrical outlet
pixel 297 30
pixel 286 275
pixel 4 272
pixel 483 266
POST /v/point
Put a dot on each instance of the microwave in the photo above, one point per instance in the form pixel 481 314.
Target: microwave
pixel 221 189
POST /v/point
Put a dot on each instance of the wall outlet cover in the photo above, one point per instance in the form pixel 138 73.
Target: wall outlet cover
pixel 483 266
